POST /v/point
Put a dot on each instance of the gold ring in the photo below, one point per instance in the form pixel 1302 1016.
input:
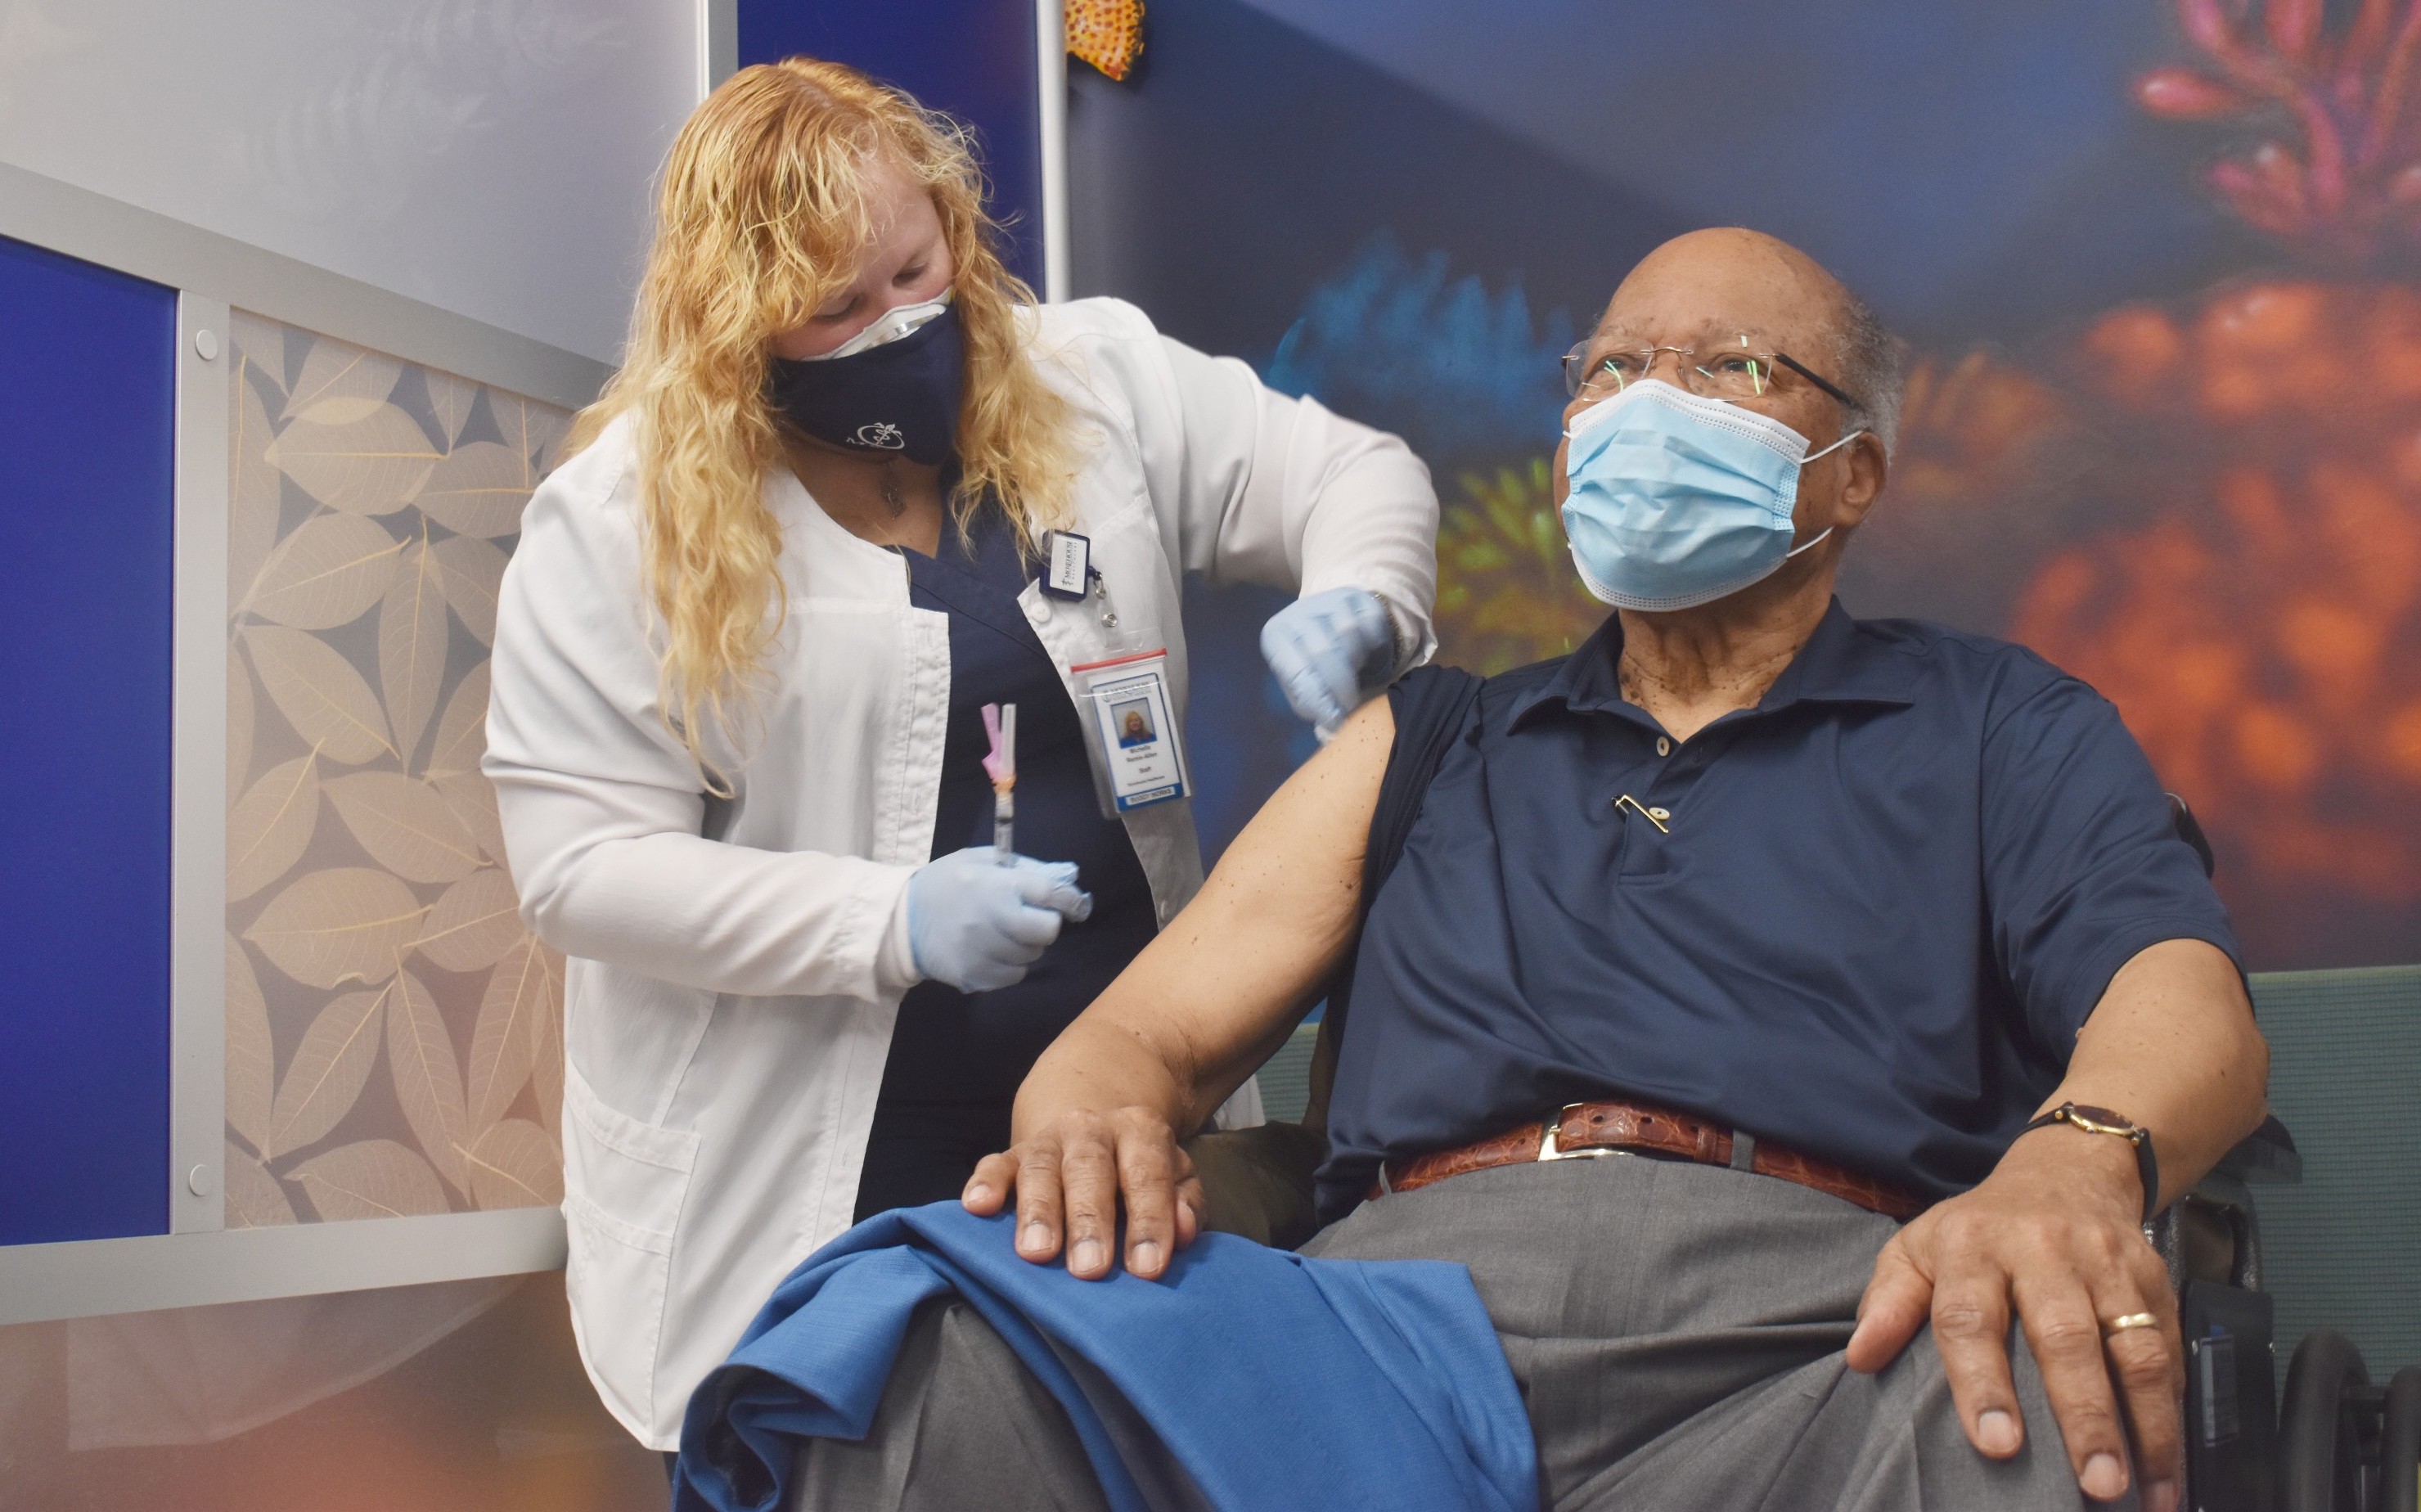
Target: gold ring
pixel 2120 1325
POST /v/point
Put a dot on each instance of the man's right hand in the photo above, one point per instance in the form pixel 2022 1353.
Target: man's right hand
pixel 1184 1024
pixel 1069 1175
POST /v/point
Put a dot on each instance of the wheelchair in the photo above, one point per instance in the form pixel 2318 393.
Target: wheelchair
pixel 2331 1440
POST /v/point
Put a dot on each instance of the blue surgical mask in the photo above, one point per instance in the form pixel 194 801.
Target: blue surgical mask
pixel 1677 500
pixel 893 390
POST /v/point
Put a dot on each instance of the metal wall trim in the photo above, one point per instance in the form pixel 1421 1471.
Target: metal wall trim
pixel 718 53
pixel 39 1282
pixel 718 43
pixel 198 791
pixel 1051 94
pixel 97 228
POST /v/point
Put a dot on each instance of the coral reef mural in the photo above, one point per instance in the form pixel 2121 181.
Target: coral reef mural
pixel 2205 500
pixel 2242 573
pixel 2258 631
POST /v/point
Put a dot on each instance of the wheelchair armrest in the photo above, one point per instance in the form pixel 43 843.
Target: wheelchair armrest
pixel 2266 1155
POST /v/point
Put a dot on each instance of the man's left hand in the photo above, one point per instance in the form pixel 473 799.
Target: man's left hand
pixel 2054 1234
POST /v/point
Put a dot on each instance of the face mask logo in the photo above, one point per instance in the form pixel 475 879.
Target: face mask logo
pixel 883 434
pixel 1677 500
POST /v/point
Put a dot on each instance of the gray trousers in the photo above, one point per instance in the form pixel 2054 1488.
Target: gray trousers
pixel 1676 1330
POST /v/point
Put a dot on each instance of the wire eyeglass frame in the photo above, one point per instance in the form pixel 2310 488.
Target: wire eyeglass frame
pixel 1577 377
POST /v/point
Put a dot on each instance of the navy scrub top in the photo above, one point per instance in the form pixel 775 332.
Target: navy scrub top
pixel 957 1057
pixel 1882 904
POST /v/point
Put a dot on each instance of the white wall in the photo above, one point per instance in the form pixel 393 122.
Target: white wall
pixel 492 157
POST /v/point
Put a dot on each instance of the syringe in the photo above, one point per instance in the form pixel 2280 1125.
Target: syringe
pixel 1000 727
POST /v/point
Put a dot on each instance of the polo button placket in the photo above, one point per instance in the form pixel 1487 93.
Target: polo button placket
pixel 1666 787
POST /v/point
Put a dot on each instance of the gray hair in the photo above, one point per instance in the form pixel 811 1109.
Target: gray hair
pixel 1871 364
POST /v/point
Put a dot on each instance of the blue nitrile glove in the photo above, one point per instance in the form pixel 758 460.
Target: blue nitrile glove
pixel 1329 651
pixel 976 925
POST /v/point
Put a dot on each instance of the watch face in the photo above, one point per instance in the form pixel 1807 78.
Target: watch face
pixel 2102 1121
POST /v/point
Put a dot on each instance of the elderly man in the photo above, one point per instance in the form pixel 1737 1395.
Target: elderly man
pixel 1870 943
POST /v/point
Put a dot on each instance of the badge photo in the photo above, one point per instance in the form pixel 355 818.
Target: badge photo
pixel 1141 752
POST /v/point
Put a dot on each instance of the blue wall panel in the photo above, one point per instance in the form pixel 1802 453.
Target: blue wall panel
pixel 87 412
pixel 974 58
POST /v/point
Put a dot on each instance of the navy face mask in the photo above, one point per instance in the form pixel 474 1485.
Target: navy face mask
pixel 896 400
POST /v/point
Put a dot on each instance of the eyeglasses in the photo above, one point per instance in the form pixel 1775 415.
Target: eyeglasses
pixel 1736 366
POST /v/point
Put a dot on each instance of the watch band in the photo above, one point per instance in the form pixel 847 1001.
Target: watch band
pixel 2094 1120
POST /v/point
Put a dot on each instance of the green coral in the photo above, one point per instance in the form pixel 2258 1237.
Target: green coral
pixel 1506 591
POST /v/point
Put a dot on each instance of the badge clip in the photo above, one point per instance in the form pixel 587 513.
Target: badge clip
pixel 1067 564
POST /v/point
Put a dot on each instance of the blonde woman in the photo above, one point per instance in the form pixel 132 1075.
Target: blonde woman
pixel 850 486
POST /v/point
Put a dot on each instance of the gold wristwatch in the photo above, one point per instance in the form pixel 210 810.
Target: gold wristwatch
pixel 2102 1121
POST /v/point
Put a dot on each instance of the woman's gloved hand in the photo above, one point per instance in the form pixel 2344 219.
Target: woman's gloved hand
pixel 1329 651
pixel 976 925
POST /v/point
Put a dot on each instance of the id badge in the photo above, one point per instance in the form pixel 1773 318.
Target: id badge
pixel 1134 728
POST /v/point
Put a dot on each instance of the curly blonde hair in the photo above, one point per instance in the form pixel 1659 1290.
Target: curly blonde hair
pixel 763 217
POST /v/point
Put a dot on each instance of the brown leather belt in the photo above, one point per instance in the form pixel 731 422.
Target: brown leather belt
pixel 1589 1129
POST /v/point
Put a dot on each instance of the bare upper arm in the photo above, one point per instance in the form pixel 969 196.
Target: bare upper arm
pixel 1298 865
pixel 1237 967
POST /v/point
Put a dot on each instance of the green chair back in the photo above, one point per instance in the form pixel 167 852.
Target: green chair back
pixel 2342 1249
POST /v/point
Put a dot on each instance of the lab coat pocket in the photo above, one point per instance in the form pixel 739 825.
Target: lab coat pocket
pixel 624 1184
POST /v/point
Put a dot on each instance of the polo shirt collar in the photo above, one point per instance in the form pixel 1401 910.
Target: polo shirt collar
pixel 1839 664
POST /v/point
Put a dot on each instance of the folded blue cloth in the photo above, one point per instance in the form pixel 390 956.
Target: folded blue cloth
pixel 1272 1379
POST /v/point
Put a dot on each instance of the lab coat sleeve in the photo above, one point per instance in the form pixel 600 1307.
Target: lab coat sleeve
pixel 1263 488
pixel 603 806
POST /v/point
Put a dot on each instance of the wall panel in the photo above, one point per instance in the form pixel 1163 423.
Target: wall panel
pixel 256 512
pixel 974 58
pixel 393 1037
pixel 490 157
pixel 88 416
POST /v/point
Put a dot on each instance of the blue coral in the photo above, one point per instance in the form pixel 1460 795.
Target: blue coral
pixel 1456 371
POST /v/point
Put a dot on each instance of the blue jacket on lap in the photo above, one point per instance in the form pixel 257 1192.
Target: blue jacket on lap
pixel 1272 1379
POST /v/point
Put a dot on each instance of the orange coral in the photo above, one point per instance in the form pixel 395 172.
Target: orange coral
pixel 2262 636
pixel 1108 34
pixel 1966 428
pixel 1980 487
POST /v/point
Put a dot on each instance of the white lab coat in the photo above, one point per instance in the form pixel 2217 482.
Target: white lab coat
pixel 736 967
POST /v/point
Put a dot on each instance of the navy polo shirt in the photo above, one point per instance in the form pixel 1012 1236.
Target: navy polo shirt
pixel 1879 906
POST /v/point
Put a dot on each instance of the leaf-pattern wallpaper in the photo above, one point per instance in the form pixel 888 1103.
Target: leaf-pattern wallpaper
pixel 395 1037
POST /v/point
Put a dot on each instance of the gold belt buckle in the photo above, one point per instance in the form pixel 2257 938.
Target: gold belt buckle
pixel 1549 1150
